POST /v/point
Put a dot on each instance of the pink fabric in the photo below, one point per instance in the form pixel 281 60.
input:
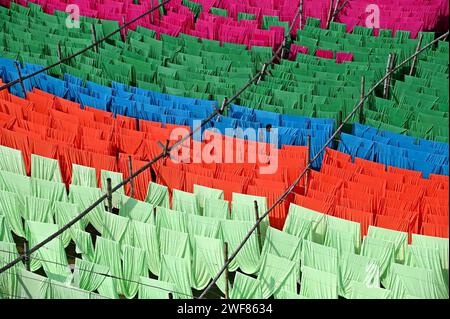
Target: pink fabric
pixel 295 49
pixel 343 56
pixel 324 54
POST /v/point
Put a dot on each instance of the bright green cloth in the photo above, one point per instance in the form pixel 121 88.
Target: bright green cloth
pixel 158 195
pixel 154 289
pixel 10 208
pixel 83 176
pixel 9 279
pixel 32 286
pixel 89 276
pixel 134 266
pixel 318 284
pixel 53 191
pixel 277 274
pixel 171 219
pixel 442 244
pixel 399 239
pixel 11 160
pixel 357 268
pixel 52 256
pixel 342 234
pixel 84 197
pixel 38 210
pixel 177 271
pixel 217 208
pixel 136 209
pixel 359 290
pixel 320 257
pixel 64 213
pixel 318 223
pixel 204 194
pixel 15 183
pixel 84 245
pixel 185 202
pixel 248 258
pixel 146 237
pixel 5 233
pixel 116 178
pixel 245 287
pixel 107 253
pixel 382 252
pixel 45 168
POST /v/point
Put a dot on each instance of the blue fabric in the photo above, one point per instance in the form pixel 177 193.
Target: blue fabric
pixel 266 118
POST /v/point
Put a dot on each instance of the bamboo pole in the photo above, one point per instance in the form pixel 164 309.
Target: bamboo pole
pixel 109 194
pixel 130 166
pixel 361 110
pixel 27 257
pixel 258 229
pixel 301 14
pixel 329 14
pixel 334 11
pixel 94 37
pixel 387 80
pixel 413 65
pixel 227 274
pixel 308 161
pixel 20 79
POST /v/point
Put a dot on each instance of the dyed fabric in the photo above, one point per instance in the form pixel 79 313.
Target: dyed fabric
pixel 9 280
pixel 357 268
pixel 177 271
pixel 83 176
pixel 208 259
pixel 243 208
pixel 5 233
pixel 11 160
pixel 52 256
pixel 248 257
pixel 108 253
pixel 203 226
pixel 318 284
pixel 361 291
pixel 146 237
pixel 174 243
pixel 136 210
pixel 15 183
pixel 89 276
pixel 116 178
pixel 296 225
pixel 134 267
pixel 185 202
pixel 383 252
pixel 32 286
pixel 205 194
pixel 274 278
pixel 45 168
pixel 84 245
pixel 317 220
pixel 319 257
pixel 10 209
pixel 245 287
pixel 84 197
pixel 154 289
pixel 38 210
pixel 53 191
pixel 171 219
pixel 399 239
pixel 158 195
pixel 217 208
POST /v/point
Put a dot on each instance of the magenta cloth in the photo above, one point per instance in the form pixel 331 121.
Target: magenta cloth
pixel 343 57
pixel 326 54
pixel 295 49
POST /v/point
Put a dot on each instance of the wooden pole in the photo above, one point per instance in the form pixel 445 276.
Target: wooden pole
pixel 329 14
pixel 258 228
pixel 387 81
pixel 227 274
pixel 109 194
pixel 301 14
pixel 130 166
pixel 94 37
pixel 154 214
pixel 59 51
pixel 27 257
pixel 413 65
pixel 361 110
pixel 308 160
pixel 20 79
pixel 334 11
pixel 170 295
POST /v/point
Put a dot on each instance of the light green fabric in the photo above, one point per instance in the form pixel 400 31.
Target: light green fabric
pixel 359 290
pixel 342 234
pixel 158 195
pixel 171 219
pixel 136 210
pixel 58 290
pixel 45 168
pixel 10 208
pixel 52 256
pixel 399 239
pixel 146 237
pixel 9 279
pixel 116 178
pixel 208 258
pixel 318 284
pixel 245 287
pixel 185 202
pixel 84 245
pixel 204 194
pixel 248 258
pixel 84 197
pixel 217 208
pixel 154 289
pixel 318 222
pixel 114 227
pixel 107 253
pixel 177 271
pixel 442 244
pixel 38 210
pixel 296 225
pixel 284 245
pixel 134 267
pixel 15 183
pixel 5 232
pixel 64 213
pixel 243 208
pixel 383 252
pixel 277 274
pixel 203 226
pixel 174 243
pixel 407 282
pixel 11 160
pixel 83 176
pixel 53 191
pixel 89 276
pixel 320 257
pixel 357 268
pixel 32 286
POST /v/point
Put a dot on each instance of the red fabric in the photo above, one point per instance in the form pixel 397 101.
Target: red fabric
pixel 140 182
